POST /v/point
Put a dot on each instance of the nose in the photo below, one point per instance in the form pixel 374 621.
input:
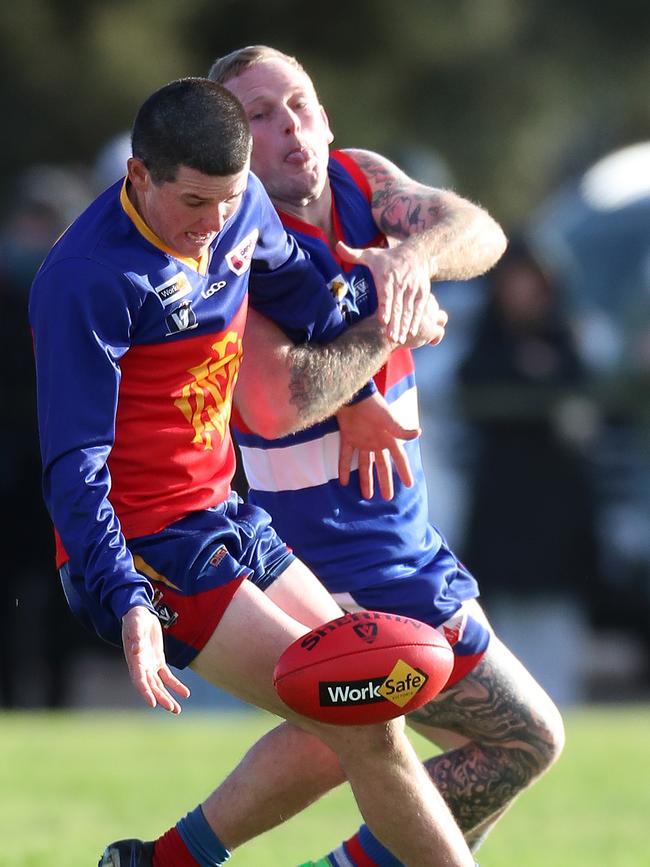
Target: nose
pixel 214 222
pixel 290 121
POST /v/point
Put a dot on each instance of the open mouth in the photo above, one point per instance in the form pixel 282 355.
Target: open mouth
pixel 299 156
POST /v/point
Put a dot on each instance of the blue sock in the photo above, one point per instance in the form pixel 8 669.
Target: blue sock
pixel 362 848
pixel 201 841
pixel 374 848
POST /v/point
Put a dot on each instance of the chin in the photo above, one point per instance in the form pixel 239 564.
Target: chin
pixel 309 188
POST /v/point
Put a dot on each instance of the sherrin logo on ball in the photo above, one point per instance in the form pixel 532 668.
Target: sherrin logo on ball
pixel 363 667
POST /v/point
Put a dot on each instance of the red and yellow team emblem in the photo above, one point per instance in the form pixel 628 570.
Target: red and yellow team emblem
pixel 206 401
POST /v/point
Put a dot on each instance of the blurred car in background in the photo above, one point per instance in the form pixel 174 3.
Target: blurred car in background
pixel 595 235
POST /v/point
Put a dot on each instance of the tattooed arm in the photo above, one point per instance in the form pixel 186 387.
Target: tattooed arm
pixel 441 237
pixel 284 387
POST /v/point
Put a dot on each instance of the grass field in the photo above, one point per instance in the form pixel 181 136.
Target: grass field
pixel 71 782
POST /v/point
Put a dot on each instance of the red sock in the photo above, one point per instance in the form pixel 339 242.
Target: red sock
pixel 358 854
pixel 170 851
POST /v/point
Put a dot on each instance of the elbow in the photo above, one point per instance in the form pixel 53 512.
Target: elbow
pixel 269 422
pixel 273 429
pixel 492 242
pixel 496 242
pixel 500 242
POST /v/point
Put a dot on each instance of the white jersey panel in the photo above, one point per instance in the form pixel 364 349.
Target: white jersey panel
pixel 312 463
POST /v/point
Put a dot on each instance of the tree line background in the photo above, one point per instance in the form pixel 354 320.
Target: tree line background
pixel 501 99
pixel 514 95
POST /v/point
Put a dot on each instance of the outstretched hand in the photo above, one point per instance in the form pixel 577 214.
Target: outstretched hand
pixel 403 283
pixel 142 643
pixel 369 428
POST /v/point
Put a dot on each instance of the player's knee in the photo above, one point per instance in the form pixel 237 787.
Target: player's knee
pixel 385 740
pixel 550 736
pixel 377 739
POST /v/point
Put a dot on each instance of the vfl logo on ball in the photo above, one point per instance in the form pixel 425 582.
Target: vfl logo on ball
pixel 398 687
pixel 366 631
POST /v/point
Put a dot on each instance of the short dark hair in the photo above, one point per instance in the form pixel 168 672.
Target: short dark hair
pixel 191 122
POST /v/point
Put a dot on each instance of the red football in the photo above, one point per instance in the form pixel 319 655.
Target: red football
pixel 364 667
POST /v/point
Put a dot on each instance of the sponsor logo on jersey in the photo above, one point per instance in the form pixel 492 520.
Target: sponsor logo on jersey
pixel 172 290
pixel 165 614
pixel 454 628
pixel 359 288
pixel 206 399
pixel 239 258
pixel 218 556
pixel 181 319
pixel 398 687
pixel 209 291
pixel 339 287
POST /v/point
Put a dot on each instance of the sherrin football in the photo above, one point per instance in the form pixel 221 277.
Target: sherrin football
pixel 364 667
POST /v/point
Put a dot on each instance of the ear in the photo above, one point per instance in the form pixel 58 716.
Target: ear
pixel 326 121
pixel 138 173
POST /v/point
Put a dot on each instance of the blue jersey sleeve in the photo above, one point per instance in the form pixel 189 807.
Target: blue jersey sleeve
pixel 285 285
pixel 81 316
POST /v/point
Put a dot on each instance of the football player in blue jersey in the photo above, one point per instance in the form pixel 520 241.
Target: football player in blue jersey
pixel 137 315
pixel 379 238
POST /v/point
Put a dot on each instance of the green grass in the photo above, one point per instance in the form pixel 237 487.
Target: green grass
pixel 71 782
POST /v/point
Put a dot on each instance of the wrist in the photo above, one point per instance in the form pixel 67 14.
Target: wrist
pixel 367 391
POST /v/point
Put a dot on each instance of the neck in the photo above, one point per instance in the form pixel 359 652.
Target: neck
pixel 317 211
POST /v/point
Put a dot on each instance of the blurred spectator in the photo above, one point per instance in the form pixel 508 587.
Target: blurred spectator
pixel 531 534
pixel 110 163
pixel 33 613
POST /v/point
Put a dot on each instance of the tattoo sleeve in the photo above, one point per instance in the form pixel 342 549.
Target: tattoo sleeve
pixel 459 238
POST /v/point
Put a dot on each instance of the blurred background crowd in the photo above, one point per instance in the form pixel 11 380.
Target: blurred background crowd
pixel 536 406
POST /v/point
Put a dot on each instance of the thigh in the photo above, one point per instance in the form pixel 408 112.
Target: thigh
pixel 498 702
pixel 298 592
pixel 256 628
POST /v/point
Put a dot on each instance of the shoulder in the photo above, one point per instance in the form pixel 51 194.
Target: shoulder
pixel 256 196
pixel 374 166
pixel 257 207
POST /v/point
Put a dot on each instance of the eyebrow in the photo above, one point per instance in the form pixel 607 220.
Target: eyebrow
pixel 269 97
pixel 200 198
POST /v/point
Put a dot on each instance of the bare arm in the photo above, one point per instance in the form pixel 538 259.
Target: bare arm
pixel 457 238
pixel 283 387
pixel 440 236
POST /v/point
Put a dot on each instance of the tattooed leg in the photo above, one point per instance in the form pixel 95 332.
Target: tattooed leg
pixel 500 731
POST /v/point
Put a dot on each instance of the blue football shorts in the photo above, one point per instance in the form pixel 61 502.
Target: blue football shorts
pixel 438 595
pixel 195 567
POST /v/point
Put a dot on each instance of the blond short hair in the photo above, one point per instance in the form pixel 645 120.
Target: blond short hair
pixel 233 64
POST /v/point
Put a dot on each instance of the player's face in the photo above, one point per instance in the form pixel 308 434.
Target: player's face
pixel 291 133
pixel 188 213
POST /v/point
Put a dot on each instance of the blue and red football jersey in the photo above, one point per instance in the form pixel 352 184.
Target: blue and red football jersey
pixel 137 354
pixel 350 543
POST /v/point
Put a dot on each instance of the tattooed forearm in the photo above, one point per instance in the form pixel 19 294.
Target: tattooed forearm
pixel 325 376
